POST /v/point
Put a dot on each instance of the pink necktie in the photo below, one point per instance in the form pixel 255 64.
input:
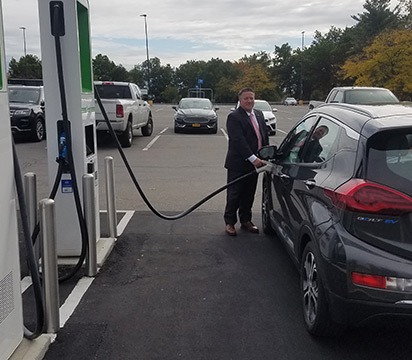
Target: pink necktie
pixel 256 130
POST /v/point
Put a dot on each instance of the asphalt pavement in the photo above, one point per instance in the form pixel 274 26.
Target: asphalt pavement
pixel 185 290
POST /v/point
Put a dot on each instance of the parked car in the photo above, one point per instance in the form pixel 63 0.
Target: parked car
pixel 195 114
pixel 338 195
pixel 268 113
pixel 290 101
pixel 126 110
pixel 27 114
pixel 357 95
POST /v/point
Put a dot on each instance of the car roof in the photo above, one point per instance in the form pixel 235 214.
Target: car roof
pixel 194 98
pixel 369 119
pixel 359 88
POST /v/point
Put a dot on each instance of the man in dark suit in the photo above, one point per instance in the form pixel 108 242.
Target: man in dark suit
pixel 247 133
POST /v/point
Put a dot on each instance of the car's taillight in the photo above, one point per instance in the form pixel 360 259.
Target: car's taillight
pixel 119 111
pixel 362 196
pixel 382 282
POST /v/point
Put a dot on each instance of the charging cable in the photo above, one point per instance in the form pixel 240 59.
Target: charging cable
pixel 137 185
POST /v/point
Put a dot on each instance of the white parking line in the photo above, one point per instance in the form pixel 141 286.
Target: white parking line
pixel 149 145
pixel 224 133
pixel 283 132
pixel 66 310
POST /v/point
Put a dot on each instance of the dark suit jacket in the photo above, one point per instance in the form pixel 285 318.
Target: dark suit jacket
pixel 243 141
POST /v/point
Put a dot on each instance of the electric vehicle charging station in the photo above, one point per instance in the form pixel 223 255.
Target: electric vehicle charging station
pixel 11 313
pixel 74 28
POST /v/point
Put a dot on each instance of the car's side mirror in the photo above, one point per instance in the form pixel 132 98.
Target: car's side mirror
pixel 216 108
pixel 274 110
pixel 268 152
pixel 174 107
pixel 232 109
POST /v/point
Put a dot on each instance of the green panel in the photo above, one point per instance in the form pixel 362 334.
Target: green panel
pixel 1 72
pixel 1 76
pixel 84 44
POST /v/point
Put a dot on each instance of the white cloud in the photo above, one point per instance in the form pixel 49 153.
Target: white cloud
pixel 185 30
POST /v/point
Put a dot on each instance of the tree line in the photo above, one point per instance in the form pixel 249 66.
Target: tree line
pixel 376 51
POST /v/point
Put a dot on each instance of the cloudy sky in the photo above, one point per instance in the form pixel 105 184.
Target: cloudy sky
pixel 184 30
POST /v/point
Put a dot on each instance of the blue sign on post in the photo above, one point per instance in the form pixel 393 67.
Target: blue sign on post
pixel 200 81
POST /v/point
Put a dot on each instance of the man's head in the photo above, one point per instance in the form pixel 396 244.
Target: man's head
pixel 247 98
pixel 320 132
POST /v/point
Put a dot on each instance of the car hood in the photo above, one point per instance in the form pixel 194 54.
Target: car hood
pixel 196 112
pixel 268 115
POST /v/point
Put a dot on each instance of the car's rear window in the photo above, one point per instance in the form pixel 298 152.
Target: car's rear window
pixel 390 159
pixel 114 91
pixel 370 96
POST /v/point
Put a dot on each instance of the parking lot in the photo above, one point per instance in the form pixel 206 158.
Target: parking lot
pixel 183 289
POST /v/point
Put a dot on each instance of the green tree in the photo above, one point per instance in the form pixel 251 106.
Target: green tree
pixel 376 18
pixel 104 69
pixel 386 63
pixel 28 67
pixel 258 78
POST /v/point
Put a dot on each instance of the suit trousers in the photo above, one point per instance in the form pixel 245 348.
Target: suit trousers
pixel 240 197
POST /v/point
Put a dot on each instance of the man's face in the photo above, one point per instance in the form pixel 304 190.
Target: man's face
pixel 247 100
pixel 319 133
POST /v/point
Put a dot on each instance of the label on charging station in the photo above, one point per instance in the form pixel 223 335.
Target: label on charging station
pixel 67 186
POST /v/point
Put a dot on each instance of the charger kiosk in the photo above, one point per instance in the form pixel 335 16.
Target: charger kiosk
pixel 78 79
pixel 11 313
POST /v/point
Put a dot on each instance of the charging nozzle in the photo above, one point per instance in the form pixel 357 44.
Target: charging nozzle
pixel 57 18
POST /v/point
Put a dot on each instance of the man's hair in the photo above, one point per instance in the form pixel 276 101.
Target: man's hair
pixel 245 89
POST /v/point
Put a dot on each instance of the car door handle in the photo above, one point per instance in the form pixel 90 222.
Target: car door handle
pixel 310 184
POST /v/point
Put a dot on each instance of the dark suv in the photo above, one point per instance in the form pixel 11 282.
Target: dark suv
pixel 338 194
pixel 27 111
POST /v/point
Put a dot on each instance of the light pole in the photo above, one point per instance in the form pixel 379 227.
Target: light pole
pixel 301 67
pixel 147 53
pixel 24 39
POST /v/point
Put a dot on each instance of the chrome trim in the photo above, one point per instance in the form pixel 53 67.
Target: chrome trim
pixel 404 302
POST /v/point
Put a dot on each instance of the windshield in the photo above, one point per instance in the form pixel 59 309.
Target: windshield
pixel 373 96
pixel 114 91
pixel 262 106
pixel 24 95
pixel 196 104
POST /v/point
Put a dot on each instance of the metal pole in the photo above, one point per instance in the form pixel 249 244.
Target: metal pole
pixel 110 197
pixel 90 216
pixel 24 39
pixel 30 193
pixel 301 68
pixel 147 52
pixel 49 266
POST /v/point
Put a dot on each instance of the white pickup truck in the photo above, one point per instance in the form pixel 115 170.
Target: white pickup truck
pixel 125 108
pixel 357 95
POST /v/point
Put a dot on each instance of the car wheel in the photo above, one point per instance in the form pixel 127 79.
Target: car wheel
pixel 38 131
pixel 214 129
pixel 177 130
pixel 266 206
pixel 148 129
pixel 126 138
pixel 315 307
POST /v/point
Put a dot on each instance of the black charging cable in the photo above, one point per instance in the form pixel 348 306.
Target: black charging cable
pixel 31 259
pixel 137 185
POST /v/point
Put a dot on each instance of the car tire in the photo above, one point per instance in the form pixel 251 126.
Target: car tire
pixel 38 131
pixel 315 306
pixel 214 129
pixel 177 130
pixel 126 138
pixel 148 129
pixel 266 201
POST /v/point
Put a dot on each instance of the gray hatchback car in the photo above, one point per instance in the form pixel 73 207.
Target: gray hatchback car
pixel 338 194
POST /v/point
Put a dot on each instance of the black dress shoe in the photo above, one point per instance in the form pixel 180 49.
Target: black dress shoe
pixel 248 226
pixel 230 230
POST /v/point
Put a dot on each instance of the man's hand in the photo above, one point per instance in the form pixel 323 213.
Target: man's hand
pixel 258 163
